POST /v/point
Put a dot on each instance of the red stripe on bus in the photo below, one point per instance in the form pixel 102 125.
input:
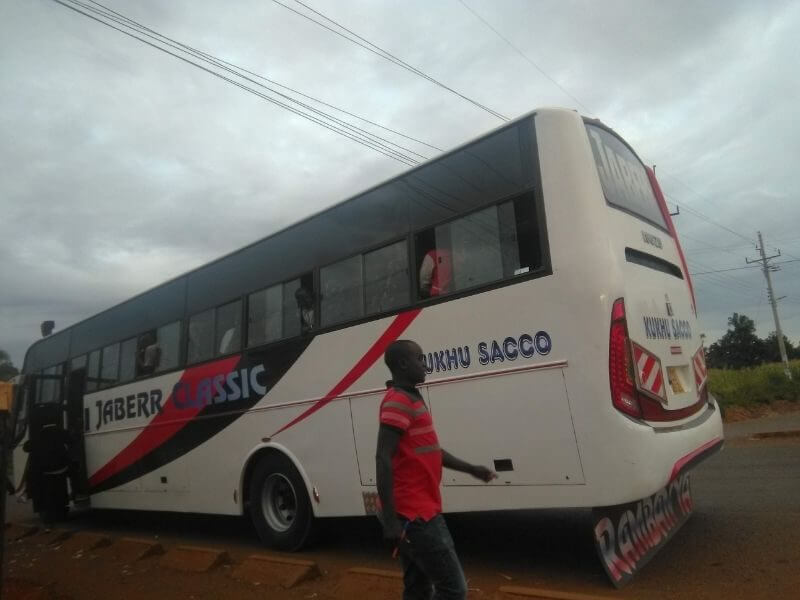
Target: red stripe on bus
pixel 395 329
pixel 680 464
pixel 164 425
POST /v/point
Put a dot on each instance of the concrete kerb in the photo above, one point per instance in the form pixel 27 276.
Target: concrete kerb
pixel 362 582
pixel 15 531
pixel 520 593
pixel 195 559
pixel 286 572
pixel 129 550
pixel 84 541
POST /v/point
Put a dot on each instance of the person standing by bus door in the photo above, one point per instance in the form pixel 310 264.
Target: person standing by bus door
pixel 409 465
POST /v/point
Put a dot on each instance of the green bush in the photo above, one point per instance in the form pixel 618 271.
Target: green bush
pixel 762 384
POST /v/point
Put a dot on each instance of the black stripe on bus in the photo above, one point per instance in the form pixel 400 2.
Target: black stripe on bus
pixel 652 262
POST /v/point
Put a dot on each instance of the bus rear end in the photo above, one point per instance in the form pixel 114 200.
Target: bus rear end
pixel 656 367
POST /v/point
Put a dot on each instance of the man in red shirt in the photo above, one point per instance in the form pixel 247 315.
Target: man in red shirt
pixel 409 465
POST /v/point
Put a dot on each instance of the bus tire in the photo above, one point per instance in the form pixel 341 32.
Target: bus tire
pixel 279 504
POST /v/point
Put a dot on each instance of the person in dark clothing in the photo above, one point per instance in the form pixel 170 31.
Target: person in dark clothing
pixel 48 464
pixel 409 465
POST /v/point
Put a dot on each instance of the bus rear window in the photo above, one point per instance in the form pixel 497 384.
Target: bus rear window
pixel 624 179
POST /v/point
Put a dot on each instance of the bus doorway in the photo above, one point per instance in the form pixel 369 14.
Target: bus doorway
pixel 75 426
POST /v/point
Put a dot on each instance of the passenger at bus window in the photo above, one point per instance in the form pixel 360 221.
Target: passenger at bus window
pixel 408 467
pixel 305 304
pixel 436 273
pixel 148 354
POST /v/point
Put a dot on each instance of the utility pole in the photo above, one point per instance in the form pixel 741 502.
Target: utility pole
pixel 767 268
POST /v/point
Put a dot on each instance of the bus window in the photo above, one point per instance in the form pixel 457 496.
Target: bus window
pixel 109 372
pixel 386 278
pixel 488 245
pixel 201 337
pixel 281 311
pixel 342 291
pixel 228 336
pixel 50 389
pixel 127 360
pixel 168 338
pixel 93 372
pixel 79 362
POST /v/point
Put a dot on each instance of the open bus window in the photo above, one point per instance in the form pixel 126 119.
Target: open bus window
pixel 49 389
pixel 109 371
pixel 127 360
pixel 147 353
pixel 386 283
pixel 342 291
pixel 93 371
pixel 168 338
pixel 495 243
pixel 281 311
pixel 201 337
pixel 228 336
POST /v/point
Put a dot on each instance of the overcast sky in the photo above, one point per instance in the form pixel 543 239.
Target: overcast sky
pixel 121 166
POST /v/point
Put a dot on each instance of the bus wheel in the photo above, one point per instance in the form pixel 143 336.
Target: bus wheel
pixel 279 504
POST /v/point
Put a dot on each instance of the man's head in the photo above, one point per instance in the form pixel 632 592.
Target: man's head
pixel 406 362
pixel 304 298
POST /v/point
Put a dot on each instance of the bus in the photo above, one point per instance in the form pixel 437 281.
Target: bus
pixel 560 337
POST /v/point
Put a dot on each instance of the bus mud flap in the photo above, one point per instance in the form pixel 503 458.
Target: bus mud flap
pixel 628 535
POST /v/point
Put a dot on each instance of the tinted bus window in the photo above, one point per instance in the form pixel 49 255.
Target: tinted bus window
pixel 110 370
pixel 169 342
pixel 50 389
pixel 93 371
pixel 127 360
pixel 201 337
pixel 624 179
pixel 489 245
pixel 386 278
pixel 281 311
pixel 342 291
pixel 228 336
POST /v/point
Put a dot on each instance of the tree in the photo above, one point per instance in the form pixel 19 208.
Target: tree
pixel 739 347
pixel 772 352
pixel 7 368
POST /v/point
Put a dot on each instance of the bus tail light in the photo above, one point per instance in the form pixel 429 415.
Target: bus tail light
pixel 620 364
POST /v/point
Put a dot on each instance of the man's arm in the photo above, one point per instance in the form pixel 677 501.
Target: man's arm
pixel 477 471
pixel 388 437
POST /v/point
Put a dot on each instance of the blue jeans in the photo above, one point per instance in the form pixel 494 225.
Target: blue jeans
pixel 431 569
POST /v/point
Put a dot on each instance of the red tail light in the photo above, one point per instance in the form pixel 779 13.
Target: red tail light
pixel 620 364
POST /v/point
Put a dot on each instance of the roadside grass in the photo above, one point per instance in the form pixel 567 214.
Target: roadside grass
pixel 756 385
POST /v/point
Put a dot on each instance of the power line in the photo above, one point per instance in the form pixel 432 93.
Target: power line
pixel 377 50
pixel 272 81
pixel 525 57
pixel 208 58
pixel 390 154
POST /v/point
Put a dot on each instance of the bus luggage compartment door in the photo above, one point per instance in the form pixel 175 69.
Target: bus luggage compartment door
pixel 517 423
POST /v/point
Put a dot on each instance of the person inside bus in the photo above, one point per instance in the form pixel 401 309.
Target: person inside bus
pixel 147 354
pixel 436 273
pixel 409 465
pixel 305 304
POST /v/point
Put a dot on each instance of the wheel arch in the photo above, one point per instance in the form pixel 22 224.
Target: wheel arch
pixel 256 454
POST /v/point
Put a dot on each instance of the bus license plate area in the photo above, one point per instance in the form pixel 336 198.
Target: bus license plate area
pixel 676 379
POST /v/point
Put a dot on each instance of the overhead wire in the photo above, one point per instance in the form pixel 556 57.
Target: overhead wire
pixel 524 56
pixel 360 139
pixel 267 79
pixel 385 54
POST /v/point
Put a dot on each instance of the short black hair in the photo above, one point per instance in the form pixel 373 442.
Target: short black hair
pixel 397 350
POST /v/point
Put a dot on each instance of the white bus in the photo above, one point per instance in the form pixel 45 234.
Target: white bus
pixel 561 343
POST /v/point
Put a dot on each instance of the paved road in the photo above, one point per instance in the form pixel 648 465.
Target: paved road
pixel 742 542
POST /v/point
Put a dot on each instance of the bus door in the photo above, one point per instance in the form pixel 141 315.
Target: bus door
pixel 75 426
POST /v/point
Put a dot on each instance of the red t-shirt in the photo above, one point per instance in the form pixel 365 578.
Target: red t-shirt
pixel 417 462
